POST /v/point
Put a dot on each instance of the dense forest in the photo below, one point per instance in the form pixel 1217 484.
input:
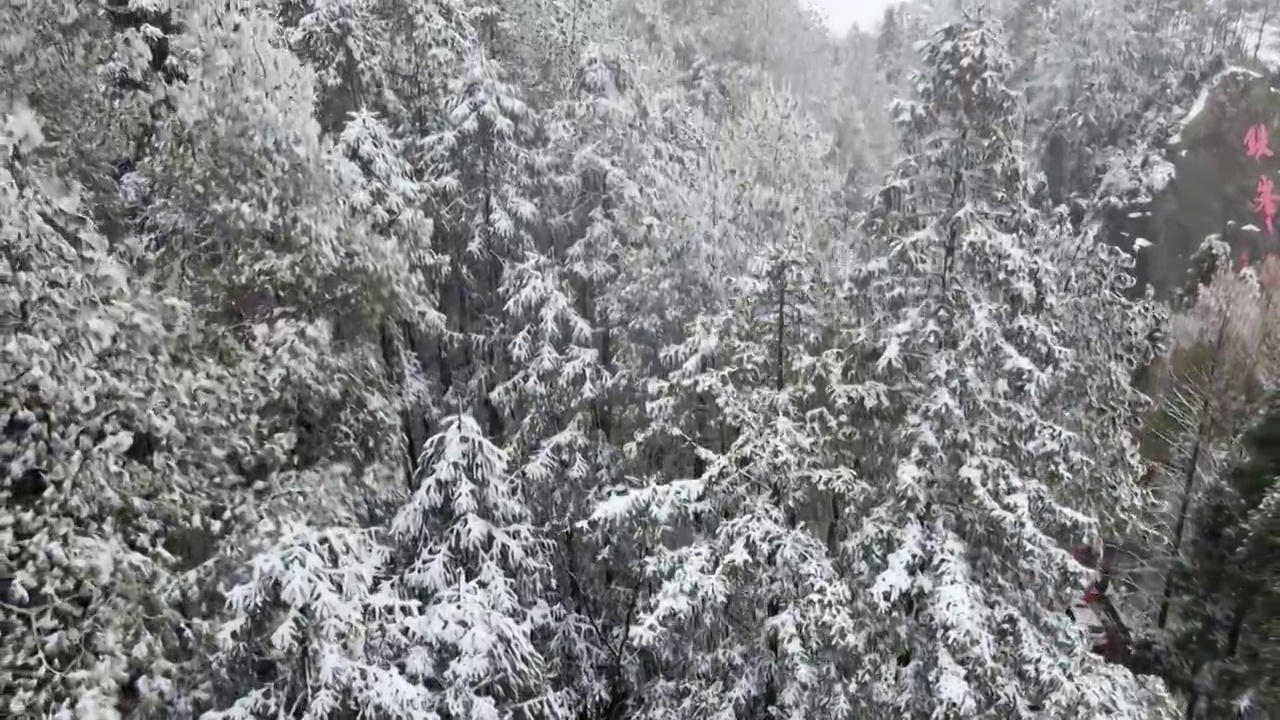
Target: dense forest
pixel 638 359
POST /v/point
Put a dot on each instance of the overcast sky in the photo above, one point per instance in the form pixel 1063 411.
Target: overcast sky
pixel 844 13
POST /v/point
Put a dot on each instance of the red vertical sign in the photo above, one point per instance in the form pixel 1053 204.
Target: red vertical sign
pixel 1255 142
pixel 1265 201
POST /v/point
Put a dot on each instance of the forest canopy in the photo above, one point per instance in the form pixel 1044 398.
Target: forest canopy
pixel 636 359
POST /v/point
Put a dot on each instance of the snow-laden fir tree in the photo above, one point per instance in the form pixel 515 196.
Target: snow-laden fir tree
pixel 313 630
pixel 465 549
pixel 1212 258
pixel 740 602
pixel 980 479
pixel 565 389
pixel 1226 642
pixel 438 615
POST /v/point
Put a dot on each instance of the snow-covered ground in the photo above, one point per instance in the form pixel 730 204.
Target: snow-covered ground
pixel 1269 47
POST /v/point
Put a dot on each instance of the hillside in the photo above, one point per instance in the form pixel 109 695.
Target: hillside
pixel 1214 187
pixel 634 360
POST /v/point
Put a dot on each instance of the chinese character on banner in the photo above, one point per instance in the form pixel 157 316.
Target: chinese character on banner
pixel 1256 144
pixel 1266 202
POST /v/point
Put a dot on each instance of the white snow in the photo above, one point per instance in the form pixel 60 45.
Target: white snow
pixel 1161 173
pixel 897 577
pixel 662 500
pixel 1269 48
pixel 952 686
pixel 23 127
pixel 1085 618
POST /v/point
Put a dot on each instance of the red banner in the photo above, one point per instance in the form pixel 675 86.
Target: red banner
pixel 1265 200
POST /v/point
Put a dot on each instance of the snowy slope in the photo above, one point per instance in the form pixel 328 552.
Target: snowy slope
pixel 1269 48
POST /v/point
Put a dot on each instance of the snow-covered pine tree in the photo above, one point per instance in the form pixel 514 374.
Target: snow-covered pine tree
pixel 315 250
pixel 1211 259
pixel 1118 346
pixel 543 42
pixel 744 608
pixel 487 170
pixel 567 441
pixel 465 549
pixel 1225 644
pixel 439 615
pixel 314 629
pixel 340 40
pixel 980 485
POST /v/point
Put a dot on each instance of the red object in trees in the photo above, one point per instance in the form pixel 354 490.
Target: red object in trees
pixel 1244 259
pixel 1084 555
pixel 1265 201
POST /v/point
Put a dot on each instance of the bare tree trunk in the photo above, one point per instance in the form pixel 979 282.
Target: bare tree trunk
pixel 1203 435
pixel 393 361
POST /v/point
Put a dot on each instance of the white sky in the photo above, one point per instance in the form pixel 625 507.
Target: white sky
pixel 842 14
